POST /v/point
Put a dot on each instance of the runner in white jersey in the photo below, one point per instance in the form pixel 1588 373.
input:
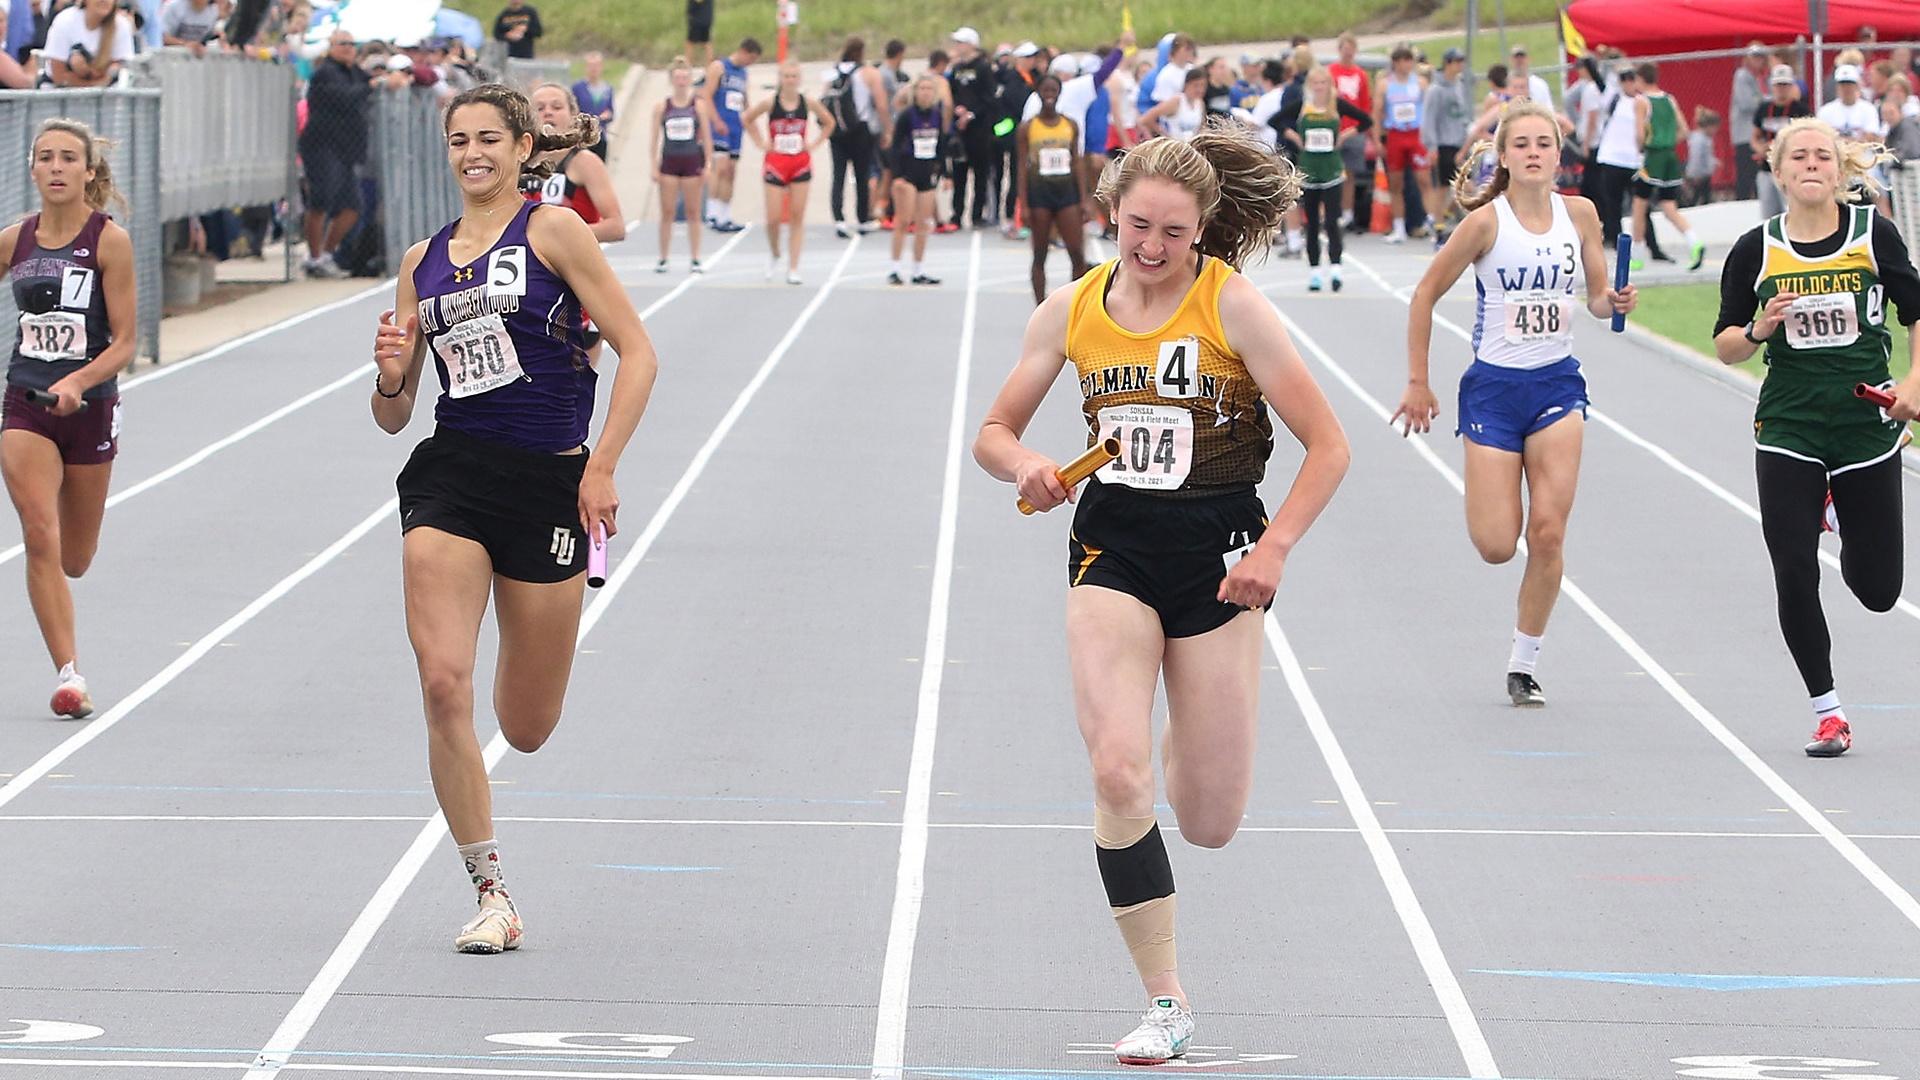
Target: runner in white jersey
pixel 1523 400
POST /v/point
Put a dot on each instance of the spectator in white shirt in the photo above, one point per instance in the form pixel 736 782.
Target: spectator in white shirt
pixel 87 44
pixel 1173 78
pixel 1850 113
pixel 1520 77
pixel 190 23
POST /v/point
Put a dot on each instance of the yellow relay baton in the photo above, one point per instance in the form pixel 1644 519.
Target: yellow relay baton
pixel 1080 468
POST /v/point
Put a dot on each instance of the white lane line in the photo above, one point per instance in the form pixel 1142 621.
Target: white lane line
pixel 1884 883
pixel 218 445
pixel 244 340
pixel 823 823
pixel 1406 904
pixel 306 1011
pixel 125 706
pixel 1659 452
pixel 910 882
pixel 400 1069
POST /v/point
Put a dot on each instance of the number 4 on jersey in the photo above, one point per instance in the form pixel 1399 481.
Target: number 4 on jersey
pixel 1178 378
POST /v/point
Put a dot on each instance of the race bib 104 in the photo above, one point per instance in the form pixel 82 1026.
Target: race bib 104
pixel 1055 161
pixel 1823 322
pixel 1156 446
pixel 479 356
pixel 1538 315
pixel 54 335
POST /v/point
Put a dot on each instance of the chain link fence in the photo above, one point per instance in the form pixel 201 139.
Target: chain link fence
pixel 131 119
pixel 1904 193
pixel 417 189
pixel 226 130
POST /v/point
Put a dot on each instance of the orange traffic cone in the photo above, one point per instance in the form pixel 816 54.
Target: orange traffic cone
pixel 1382 200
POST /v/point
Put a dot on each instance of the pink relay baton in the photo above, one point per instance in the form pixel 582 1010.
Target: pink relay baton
pixel 597 557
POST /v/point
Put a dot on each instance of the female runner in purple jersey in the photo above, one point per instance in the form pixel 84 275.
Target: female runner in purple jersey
pixel 72 271
pixel 503 498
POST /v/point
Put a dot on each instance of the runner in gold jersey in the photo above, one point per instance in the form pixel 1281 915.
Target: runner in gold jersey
pixel 1172 556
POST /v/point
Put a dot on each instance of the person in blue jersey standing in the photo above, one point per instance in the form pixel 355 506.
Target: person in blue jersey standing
pixel 726 91
pixel 1523 400
pixel 502 500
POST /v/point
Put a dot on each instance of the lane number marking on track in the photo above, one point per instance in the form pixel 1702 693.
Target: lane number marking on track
pixel 50 1031
pixel 1203 1057
pixel 611 1044
pixel 1769 1067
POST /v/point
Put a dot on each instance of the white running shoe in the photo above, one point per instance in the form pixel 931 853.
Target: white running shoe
pixel 70 698
pixel 495 929
pixel 1397 236
pixel 1163 1035
pixel 793 277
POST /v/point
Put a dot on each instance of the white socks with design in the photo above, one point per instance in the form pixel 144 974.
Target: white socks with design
pixel 483 866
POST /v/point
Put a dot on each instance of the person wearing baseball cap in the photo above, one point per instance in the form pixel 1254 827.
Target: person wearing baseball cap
pixel 1520 76
pixel 1850 113
pixel 1781 108
pixel 976 108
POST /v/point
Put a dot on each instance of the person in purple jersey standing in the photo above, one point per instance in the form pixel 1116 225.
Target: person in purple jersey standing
pixel 72 271
pixel 503 497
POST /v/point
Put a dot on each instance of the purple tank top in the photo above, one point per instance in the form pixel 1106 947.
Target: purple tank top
pixel 680 132
pixel 505 336
pixel 63 308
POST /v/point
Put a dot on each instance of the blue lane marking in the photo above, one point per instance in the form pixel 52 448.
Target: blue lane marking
pixel 1684 981
pixel 659 869
pixel 33 947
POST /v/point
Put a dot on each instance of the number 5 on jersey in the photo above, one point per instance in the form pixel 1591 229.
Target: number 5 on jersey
pixel 1178 377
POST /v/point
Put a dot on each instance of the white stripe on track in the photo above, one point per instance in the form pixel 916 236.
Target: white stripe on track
pixel 1659 452
pixel 244 340
pixel 1406 904
pixel 397 1069
pixel 293 1028
pixel 125 706
pixel 823 823
pixel 218 445
pixel 1842 844
pixel 910 881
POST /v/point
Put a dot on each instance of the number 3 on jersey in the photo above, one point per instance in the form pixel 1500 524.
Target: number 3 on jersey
pixel 1178 377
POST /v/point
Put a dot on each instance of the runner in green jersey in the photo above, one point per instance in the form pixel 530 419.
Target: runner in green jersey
pixel 1312 126
pixel 1661 131
pixel 1820 276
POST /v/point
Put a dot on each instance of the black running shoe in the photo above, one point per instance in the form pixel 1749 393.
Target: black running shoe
pixel 925 279
pixel 893 278
pixel 1523 690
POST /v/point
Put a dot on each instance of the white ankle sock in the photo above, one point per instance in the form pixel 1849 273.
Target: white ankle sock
pixel 483 866
pixel 1400 225
pixel 1692 237
pixel 67 671
pixel 1827 704
pixel 1526 653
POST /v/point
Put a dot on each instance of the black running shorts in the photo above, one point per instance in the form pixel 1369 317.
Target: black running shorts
pixel 1170 554
pixel 521 505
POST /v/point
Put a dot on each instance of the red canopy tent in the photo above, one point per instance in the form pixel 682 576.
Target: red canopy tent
pixel 1648 28
pixel 1655 27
